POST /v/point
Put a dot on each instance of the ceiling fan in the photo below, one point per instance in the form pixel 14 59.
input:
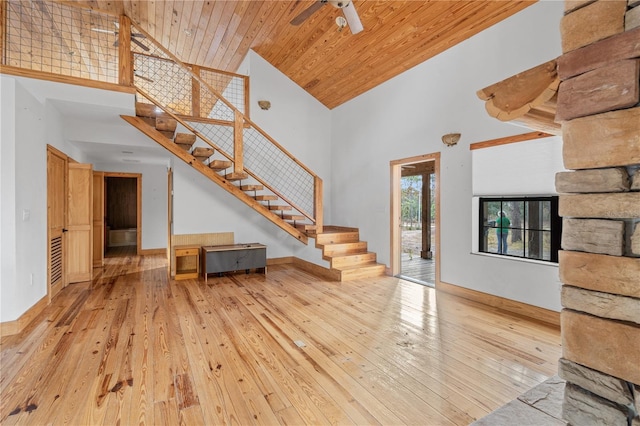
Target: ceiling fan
pixel 348 9
pixel 115 32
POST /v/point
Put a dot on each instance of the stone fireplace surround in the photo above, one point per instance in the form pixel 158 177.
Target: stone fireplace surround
pixel 598 104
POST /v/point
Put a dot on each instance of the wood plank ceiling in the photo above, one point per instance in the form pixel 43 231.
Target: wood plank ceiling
pixel 333 66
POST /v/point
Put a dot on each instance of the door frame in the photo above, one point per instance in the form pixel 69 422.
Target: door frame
pixel 138 177
pixel 395 210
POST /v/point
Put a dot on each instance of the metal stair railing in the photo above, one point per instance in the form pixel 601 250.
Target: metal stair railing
pixel 170 84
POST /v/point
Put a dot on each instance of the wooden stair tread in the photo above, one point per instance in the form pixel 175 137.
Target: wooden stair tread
pixel 202 153
pixel 219 164
pixel 166 124
pixel 150 111
pixel 167 133
pixel 279 208
pixel 184 139
pixel 251 187
pixel 293 217
pixel 306 226
pixel 236 176
pixel 266 197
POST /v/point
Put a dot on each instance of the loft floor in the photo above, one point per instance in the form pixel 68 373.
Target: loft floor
pixel 288 347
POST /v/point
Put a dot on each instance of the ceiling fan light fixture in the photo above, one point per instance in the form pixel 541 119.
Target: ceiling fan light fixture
pixel 341 22
pixel 340 4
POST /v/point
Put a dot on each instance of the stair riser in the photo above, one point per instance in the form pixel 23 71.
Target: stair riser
pixel 368 272
pixel 338 237
pixel 352 260
pixel 333 250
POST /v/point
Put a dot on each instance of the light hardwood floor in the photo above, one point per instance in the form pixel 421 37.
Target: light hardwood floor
pixel 134 347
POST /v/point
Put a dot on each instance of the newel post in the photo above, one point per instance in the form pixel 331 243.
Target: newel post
pixel 238 152
pixel 318 195
pixel 195 92
pixel 125 59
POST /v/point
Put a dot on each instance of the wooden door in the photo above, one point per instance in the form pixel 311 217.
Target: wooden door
pixel 79 222
pixel 98 219
pixel 56 214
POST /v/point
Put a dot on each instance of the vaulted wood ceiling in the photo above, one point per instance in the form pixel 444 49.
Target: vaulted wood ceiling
pixel 332 66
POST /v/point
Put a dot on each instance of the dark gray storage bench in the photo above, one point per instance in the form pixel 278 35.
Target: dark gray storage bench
pixel 234 257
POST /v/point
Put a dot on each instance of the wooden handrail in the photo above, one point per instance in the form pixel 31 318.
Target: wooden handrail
pixel 240 121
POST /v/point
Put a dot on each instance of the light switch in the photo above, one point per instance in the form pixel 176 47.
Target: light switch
pixel 26 214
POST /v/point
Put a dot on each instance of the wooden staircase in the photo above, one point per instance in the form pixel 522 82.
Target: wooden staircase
pixel 162 128
pixel 348 256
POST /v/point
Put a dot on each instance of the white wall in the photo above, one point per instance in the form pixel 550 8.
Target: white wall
pixel 7 196
pixel 523 168
pixel 407 116
pixel 32 124
pixel 296 120
pixel 30 121
pixel 154 200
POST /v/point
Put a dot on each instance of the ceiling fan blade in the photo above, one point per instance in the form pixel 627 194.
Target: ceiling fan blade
pixel 133 40
pixel 100 30
pixel 352 18
pixel 305 14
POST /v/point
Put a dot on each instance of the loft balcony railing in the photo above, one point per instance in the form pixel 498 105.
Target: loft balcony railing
pixel 65 40
pixel 61 42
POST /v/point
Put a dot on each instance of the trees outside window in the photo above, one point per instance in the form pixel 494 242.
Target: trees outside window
pixel 527 227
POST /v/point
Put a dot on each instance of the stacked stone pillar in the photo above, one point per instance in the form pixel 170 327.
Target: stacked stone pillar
pixel 599 107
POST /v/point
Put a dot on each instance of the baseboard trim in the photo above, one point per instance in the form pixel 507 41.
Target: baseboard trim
pixel 280 261
pixel 306 266
pixel 9 328
pixel 318 270
pixel 147 252
pixel 512 306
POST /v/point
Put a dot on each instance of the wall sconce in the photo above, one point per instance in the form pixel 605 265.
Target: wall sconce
pixel 450 139
pixel 264 105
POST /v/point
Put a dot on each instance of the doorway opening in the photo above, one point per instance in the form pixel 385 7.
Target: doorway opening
pixel 123 223
pixel 415 219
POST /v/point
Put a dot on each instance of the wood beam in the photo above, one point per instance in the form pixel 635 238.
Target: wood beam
pixel 509 139
pixel 527 98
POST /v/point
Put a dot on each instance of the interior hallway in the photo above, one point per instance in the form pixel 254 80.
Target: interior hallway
pixel 134 347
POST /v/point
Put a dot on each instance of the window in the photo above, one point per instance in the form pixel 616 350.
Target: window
pixel 527 227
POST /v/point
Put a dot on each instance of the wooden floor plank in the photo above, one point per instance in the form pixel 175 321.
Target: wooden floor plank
pixel 133 346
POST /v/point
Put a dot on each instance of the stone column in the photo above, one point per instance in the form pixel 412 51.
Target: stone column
pixel 599 107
